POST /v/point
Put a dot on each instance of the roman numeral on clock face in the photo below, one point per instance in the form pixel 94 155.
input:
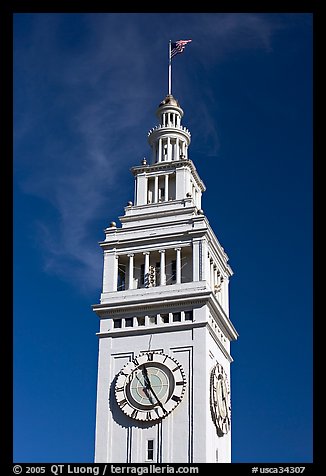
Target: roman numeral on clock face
pixel 176 368
pixel 122 403
pixel 175 398
pixel 134 414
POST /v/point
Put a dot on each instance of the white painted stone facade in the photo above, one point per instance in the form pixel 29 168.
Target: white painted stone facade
pixel 165 289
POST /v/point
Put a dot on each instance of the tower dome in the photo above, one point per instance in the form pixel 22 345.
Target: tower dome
pixel 169 100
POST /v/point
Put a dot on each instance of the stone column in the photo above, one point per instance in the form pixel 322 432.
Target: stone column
pixel 174 150
pixel 226 296
pixel 162 270
pixel 204 261
pixel 196 264
pixel 222 301
pixel 178 265
pixel 142 189
pixel 131 271
pixel 156 189
pixel 211 274
pixel 110 272
pixel 146 269
pixel 183 152
pixel 166 188
pixel 215 276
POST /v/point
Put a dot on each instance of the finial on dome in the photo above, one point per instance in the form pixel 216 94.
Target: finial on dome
pixel 169 100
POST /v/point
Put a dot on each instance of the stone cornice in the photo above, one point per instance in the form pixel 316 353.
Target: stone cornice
pixel 161 209
pixel 162 166
pixel 155 329
pixel 163 328
pixel 125 240
pixel 219 343
pixel 222 319
pixel 152 299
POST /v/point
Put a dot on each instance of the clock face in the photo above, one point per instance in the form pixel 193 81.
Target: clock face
pixel 220 399
pixel 150 386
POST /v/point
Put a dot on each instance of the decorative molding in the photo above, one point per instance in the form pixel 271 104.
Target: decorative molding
pixel 152 249
pixel 219 343
pixel 105 312
pixel 168 165
pixel 221 318
pixel 155 329
pixel 200 260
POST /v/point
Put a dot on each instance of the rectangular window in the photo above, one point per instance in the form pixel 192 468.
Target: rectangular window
pixel 165 318
pixel 152 319
pixel 142 274
pixel 150 450
pixel 174 270
pixel 141 321
pixel 121 278
pixel 188 315
pixel 176 317
pixel 157 274
pixel 151 276
pixel 117 323
pixel 128 322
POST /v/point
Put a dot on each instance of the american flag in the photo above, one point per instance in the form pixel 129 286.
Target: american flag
pixel 178 47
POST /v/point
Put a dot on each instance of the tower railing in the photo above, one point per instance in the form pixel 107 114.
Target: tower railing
pixel 161 126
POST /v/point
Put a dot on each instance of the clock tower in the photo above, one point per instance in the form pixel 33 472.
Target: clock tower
pixel 163 393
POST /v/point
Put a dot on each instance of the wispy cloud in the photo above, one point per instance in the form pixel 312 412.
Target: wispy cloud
pixel 81 112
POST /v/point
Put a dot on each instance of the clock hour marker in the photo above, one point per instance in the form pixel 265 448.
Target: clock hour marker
pixel 134 414
pixel 178 367
pixel 122 403
pixel 175 398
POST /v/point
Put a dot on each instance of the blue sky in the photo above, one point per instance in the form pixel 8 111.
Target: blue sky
pixel 86 88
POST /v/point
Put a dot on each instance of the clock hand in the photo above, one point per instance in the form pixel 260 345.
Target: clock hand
pixel 224 398
pixel 145 389
pixel 149 385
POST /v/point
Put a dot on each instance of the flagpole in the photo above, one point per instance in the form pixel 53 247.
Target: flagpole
pixel 170 67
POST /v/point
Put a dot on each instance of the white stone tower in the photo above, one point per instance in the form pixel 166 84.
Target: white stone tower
pixel 163 392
